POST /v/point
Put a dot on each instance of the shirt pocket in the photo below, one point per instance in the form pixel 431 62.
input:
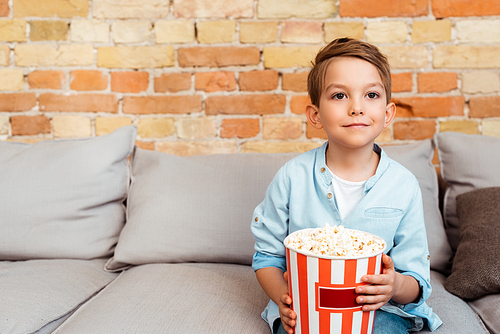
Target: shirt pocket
pixel 383 212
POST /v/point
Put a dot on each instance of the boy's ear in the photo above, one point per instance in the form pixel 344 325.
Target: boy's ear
pixel 390 113
pixel 312 114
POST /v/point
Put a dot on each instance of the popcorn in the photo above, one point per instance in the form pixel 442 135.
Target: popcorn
pixel 335 241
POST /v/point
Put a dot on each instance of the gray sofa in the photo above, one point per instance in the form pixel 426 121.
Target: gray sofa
pixel 95 241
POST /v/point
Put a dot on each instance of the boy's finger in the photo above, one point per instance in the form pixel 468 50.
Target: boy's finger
pixel 386 259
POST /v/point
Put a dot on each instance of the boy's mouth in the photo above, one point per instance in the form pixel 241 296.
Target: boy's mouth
pixel 356 125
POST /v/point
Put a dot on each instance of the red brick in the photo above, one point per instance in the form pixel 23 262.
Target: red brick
pixel 17 101
pixel 401 82
pixel 437 82
pixel 145 145
pixel 259 80
pixel 215 81
pixel 299 103
pixel 414 129
pixel 312 132
pixel 240 128
pixel 246 104
pixel 296 82
pixel 129 82
pixel 447 8
pixel 370 8
pixel 218 56
pixel 4 8
pixel 81 102
pixel 429 106
pixel 29 125
pixel 172 82
pixel 184 104
pixel 485 106
pixel 46 79
pixel 88 80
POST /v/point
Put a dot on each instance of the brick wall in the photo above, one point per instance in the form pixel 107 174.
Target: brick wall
pixel 225 76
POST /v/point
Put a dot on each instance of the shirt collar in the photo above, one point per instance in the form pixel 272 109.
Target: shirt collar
pixel 321 168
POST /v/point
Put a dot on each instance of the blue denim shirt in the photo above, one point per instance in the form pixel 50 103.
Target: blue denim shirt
pixel 301 196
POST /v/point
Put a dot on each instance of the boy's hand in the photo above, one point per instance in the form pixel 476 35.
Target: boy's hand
pixel 403 289
pixel 287 315
pixel 381 288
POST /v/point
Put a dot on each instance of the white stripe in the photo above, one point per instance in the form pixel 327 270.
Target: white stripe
pixel 295 288
pixel 357 320
pixel 312 279
pixel 370 321
pixel 338 271
pixel 335 323
pixel 361 269
pixel 378 266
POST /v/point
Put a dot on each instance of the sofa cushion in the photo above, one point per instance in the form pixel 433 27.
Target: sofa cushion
pixel 36 293
pixel 467 162
pixel 193 209
pixel 63 199
pixel 418 159
pixel 456 314
pixel 175 298
pixel 488 310
pixel 475 271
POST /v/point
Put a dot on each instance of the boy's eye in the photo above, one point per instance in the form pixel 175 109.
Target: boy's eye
pixel 339 96
pixel 372 95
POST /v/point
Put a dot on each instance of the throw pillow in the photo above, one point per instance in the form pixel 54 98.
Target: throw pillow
pixel 417 158
pixel 475 271
pixel 193 209
pixel 63 198
pixel 467 162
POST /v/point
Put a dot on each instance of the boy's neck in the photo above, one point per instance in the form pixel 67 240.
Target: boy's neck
pixel 353 165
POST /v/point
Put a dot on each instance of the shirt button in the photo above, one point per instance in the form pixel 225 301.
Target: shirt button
pixel 256 219
pixel 428 257
pixel 329 195
pixel 323 169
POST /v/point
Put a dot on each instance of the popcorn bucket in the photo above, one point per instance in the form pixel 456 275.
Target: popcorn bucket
pixel 322 289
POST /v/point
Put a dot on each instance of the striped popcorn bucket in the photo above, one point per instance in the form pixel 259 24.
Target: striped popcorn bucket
pixel 322 291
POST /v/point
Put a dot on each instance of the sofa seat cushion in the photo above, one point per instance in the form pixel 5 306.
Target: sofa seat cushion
pixel 456 314
pixel 488 309
pixel 64 198
pixel 36 293
pixel 175 298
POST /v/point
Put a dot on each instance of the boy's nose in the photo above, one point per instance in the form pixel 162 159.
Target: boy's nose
pixel 355 111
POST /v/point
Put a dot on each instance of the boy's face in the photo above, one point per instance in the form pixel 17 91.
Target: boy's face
pixel 352 108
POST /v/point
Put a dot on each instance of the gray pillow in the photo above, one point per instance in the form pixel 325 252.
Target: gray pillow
pixel 476 270
pixel 193 209
pixel 417 158
pixel 467 162
pixel 63 199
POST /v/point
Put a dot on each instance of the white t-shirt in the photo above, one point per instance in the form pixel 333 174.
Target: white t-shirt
pixel 347 193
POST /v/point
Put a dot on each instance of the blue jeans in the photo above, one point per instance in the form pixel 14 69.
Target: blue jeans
pixel 385 323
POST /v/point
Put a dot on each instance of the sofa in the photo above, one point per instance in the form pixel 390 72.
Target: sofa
pixel 100 236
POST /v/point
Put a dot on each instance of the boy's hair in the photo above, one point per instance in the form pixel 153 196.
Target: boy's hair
pixel 346 47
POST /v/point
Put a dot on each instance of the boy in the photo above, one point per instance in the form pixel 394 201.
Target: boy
pixel 349 181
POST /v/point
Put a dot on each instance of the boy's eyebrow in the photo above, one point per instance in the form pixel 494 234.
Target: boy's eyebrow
pixel 342 86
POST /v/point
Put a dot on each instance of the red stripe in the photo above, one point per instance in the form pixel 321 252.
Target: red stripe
pixel 289 276
pixel 364 322
pixel 350 272
pixel 347 322
pixel 372 264
pixel 325 279
pixel 304 298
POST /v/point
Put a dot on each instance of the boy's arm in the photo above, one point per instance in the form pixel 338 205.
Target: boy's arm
pixel 272 281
